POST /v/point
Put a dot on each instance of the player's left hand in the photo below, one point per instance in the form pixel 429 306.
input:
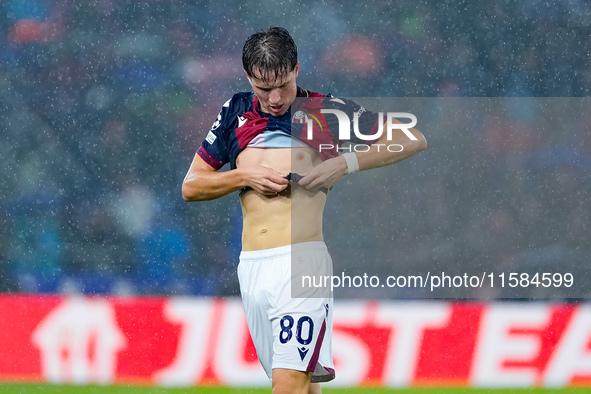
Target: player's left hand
pixel 326 174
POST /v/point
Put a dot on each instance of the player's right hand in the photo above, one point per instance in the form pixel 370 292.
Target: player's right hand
pixel 265 180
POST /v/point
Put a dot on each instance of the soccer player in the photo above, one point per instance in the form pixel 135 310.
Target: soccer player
pixel 273 169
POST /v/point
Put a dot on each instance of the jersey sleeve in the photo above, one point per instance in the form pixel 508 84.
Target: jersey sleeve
pixel 367 123
pixel 214 149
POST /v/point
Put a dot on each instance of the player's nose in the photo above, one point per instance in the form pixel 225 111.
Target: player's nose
pixel 275 97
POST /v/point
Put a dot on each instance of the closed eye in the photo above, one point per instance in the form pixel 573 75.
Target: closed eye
pixel 269 89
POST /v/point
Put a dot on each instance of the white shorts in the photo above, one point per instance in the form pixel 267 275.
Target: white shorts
pixel 290 333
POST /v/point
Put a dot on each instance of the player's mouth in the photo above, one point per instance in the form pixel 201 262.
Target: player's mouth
pixel 276 108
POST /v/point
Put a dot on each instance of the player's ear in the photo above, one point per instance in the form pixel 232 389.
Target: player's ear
pixel 297 68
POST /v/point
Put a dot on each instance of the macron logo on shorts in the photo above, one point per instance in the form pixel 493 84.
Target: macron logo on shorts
pixel 303 351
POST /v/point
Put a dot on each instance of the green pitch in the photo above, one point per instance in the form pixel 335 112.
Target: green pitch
pixel 51 389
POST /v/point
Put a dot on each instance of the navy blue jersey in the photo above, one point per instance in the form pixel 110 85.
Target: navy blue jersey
pixel 240 121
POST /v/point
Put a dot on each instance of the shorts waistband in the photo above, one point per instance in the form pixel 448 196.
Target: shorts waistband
pixel 280 251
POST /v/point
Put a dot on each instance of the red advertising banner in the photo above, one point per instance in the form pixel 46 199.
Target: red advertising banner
pixel 180 341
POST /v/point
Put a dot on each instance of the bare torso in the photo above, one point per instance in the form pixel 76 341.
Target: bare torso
pixel 294 215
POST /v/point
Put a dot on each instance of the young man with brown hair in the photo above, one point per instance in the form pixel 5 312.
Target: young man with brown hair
pixel 275 169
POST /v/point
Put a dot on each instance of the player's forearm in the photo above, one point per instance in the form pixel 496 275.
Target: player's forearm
pixel 330 171
pixel 381 153
pixel 205 185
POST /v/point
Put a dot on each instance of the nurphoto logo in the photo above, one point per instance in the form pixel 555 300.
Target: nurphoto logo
pixel 344 125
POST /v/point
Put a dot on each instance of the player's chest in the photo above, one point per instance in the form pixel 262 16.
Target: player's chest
pixel 281 159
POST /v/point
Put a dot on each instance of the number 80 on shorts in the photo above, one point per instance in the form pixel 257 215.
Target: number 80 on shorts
pixel 303 332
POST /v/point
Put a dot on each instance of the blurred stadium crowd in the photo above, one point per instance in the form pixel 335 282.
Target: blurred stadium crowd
pixel 103 104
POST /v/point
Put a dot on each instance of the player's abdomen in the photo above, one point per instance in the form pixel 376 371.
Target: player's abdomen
pixel 292 216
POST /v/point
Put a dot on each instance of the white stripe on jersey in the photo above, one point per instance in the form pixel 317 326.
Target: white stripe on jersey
pixel 275 139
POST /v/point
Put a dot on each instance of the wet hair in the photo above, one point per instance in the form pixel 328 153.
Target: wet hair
pixel 272 53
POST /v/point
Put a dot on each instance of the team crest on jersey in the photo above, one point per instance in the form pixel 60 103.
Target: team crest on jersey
pixel 299 115
pixel 210 137
pixel 361 110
